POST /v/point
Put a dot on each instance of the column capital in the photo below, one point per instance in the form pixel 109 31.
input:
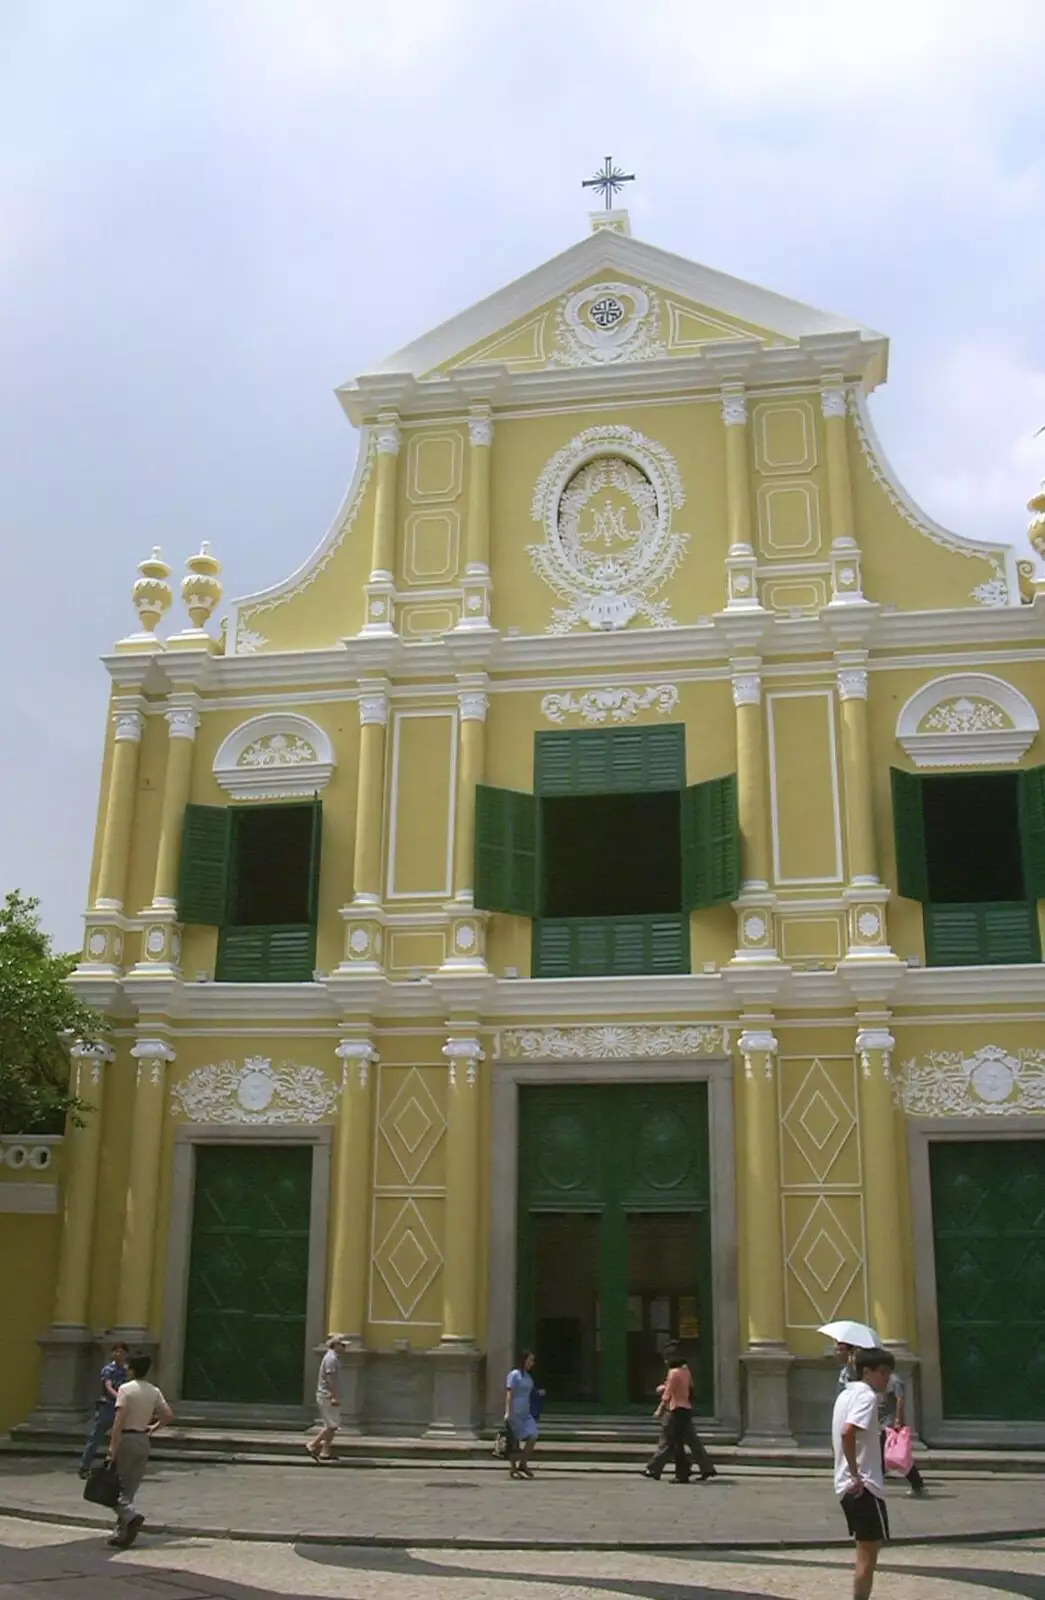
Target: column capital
pixel 182 721
pixel 128 726
pixel 734 405
pixel 747 688
pixel 387 434
pixel 469 1053
pixel 833 398
pixel 91 1050
pixel 852 683
pixel 360 1051
pixel 473 704
pixel 757 1041
pixel 373 708
pixel 152 1050
pixel 871 1039
pixel 480 427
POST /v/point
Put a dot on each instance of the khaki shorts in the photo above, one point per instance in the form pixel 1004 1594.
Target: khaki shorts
pixel 330 1414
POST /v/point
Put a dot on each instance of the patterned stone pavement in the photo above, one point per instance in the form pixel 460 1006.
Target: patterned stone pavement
pixel 480 1504
pixel 53 1562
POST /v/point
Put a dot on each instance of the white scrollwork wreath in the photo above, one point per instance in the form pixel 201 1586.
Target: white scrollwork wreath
pixel 608 573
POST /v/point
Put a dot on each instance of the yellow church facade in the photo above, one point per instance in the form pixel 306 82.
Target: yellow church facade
pixel 596 899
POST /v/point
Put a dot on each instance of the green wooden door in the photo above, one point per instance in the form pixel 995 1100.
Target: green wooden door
pixel 989 1234
pixel 615 1241
pixel 248 1275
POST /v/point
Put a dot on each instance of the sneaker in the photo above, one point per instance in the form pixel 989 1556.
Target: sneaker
pixel 921 1493
pixel 134 1527
pixel 117 1542
pixel 83 1472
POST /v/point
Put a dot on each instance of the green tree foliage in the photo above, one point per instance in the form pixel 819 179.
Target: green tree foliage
pixel 40 1018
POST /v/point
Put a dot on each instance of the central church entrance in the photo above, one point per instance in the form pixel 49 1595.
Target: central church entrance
pixel 615 1241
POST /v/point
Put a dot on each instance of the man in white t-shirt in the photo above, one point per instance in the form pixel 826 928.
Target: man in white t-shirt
pixel 140 1410
pixel 859 1474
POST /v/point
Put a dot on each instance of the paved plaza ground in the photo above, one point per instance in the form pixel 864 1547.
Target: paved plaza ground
pixel 564 1506
pixel 52 1562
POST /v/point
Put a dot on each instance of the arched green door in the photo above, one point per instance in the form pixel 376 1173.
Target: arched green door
pixel 615 1241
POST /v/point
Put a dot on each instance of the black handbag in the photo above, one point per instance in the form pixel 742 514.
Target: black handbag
pixel 504 1443
pixel 103 1485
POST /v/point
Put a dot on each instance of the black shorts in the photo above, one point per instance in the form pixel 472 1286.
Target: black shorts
pixel 867 1517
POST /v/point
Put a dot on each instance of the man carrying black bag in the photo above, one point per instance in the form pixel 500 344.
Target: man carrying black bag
pixel 140 1410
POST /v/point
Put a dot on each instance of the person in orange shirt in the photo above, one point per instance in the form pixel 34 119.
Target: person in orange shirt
pixel 677 1431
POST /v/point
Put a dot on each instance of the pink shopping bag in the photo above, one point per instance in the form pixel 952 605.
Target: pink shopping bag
pixel 899 1450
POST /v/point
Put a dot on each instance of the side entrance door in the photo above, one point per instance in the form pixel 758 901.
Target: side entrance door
pixel 615 1241
pixel 248 1275
pixel 988 1201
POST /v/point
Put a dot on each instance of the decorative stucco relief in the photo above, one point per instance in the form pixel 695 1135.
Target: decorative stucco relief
pixel 607 322
pixel 605 500
pixel 623 705
pixel 613 1042
pixel 989 1082
pixel 277 756
pixel 256 1092
pixel 967 719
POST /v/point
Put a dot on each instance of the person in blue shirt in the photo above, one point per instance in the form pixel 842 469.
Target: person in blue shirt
pixel 114 1373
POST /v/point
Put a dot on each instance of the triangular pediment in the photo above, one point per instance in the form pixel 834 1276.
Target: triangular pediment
pixel 612 299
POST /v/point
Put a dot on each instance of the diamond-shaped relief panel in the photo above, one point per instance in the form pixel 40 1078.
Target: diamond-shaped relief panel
pixel 407 1261
pixel 411 1127
pixel 824 1259
pixel 819 1142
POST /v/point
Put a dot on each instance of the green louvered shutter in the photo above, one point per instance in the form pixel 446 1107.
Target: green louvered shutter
pixel 313 864
pixel 282 953
pixel 505 851
pixel 203 874
pixel 710 834
pixel 912 868
pixel 610 760
pixel 1010 932
pixel 668 944
pixel 553 952
pixel 610 947
pixel 995 933
pixel 1032 830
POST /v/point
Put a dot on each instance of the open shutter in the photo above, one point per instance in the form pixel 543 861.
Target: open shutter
pixel 505 851
pixel 203 875
pixel 710 833
pixel 1032 830
pixel 313 864
pixel 610 760
pixel 912 867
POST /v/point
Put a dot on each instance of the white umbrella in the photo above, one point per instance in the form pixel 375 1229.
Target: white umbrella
pixel 855 1333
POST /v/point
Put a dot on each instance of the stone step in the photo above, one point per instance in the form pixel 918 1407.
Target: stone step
pixel 605 1446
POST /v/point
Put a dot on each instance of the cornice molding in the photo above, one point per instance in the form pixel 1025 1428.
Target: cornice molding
pixel 713 641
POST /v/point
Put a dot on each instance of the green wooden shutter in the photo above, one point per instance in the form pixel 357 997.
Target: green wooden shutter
pixel 505 851
pixel 610 760
pixel 710 833
pixel 994 933
pixel 203 874
pixel 278 954
pixel 610 947
pixel 1032 830
pixel 912 867
pixel 313 864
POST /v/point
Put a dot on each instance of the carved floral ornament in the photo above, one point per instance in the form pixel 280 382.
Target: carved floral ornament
pixel 614 1042
pixel 608 322
pixel 619 705
pixel 970 719
pixel 256 1092
pixel 989 1082
pixel 605 501
pixel 274 757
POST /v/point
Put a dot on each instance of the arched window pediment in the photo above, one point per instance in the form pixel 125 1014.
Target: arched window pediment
pixel 969 719
pixel 278 756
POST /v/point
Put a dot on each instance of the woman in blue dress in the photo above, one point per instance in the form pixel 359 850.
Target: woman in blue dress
pixel 518 1414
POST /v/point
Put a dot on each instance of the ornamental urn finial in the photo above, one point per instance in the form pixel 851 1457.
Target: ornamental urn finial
pixel 1036 530
pixel 200 589
pixel 151 592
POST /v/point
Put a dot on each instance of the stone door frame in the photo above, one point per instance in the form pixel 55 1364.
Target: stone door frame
pixel 934 1426
pixel 502 1274
pixel 187 1136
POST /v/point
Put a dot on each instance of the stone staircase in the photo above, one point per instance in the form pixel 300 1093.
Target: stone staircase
pixel 598 1444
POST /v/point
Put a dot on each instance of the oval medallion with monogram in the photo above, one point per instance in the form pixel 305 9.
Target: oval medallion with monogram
pixel 664 1153
pixel 564 1153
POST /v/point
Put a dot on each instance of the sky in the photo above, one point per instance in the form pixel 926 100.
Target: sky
pixel 212 212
